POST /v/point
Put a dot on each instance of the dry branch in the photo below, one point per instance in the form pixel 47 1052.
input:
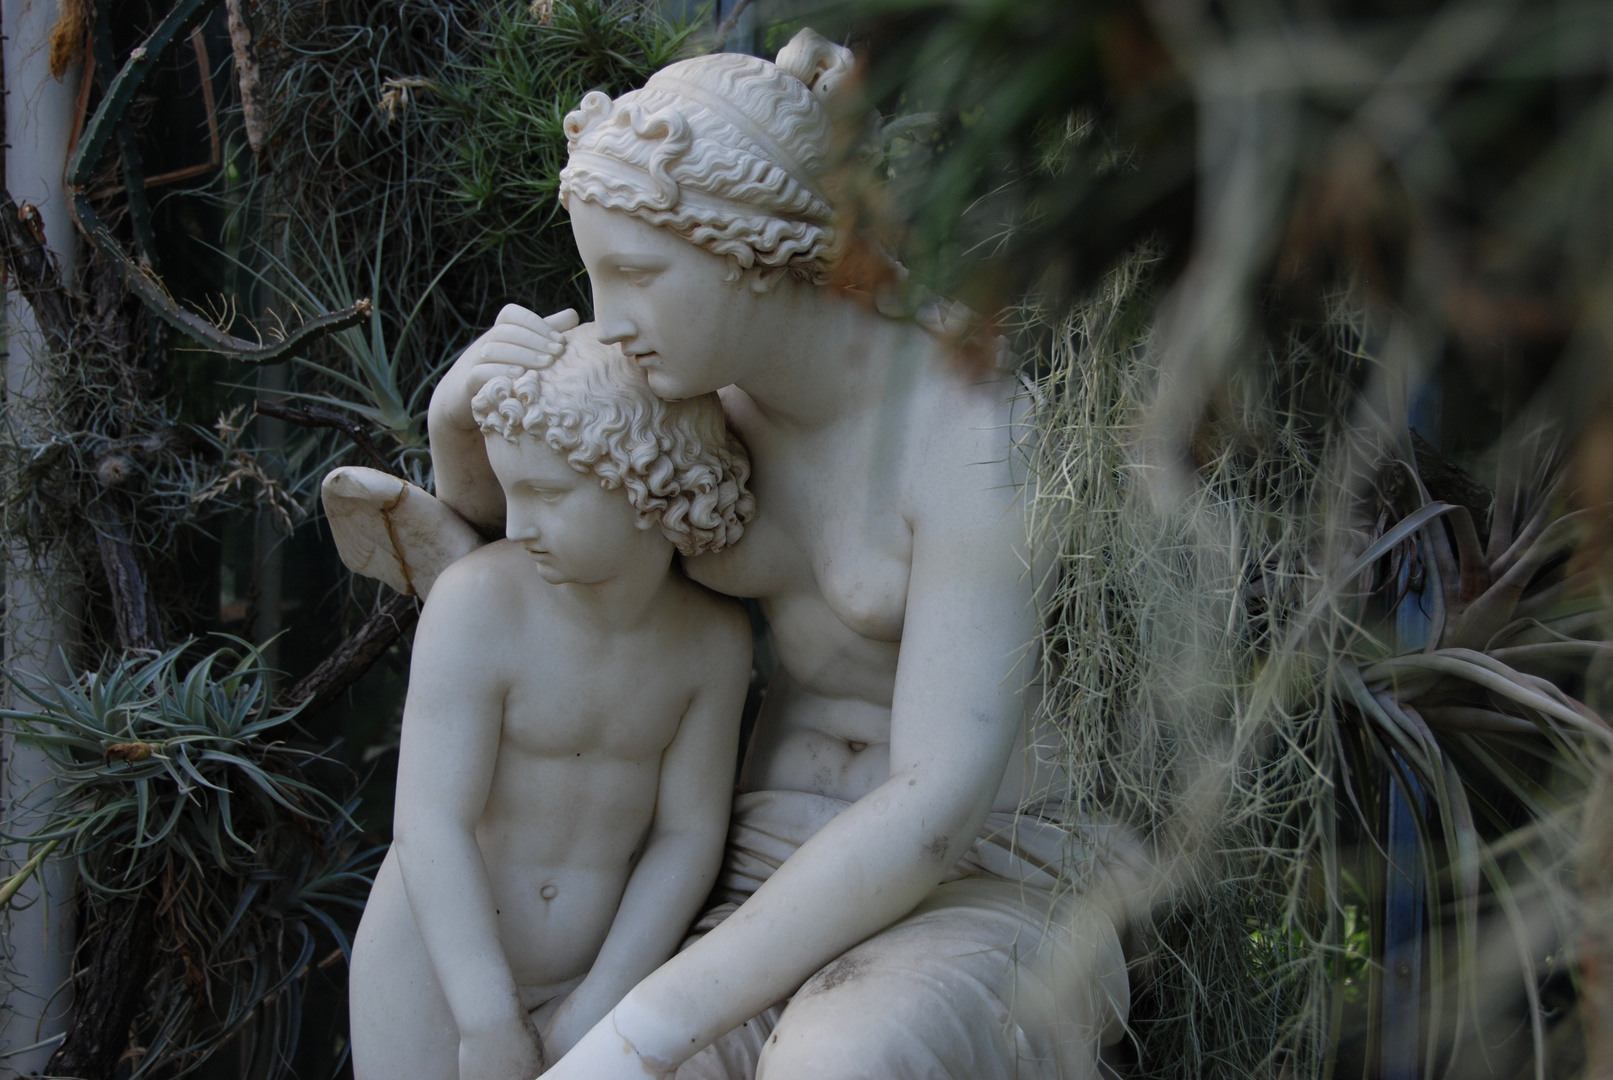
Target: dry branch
pixel 34 268
pixel 107 990
pixel 353 657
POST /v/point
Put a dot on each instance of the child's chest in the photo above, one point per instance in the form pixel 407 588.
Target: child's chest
pixel 573 700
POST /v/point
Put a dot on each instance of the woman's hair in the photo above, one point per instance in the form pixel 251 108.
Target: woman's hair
pixel 677 460
pixel 726 150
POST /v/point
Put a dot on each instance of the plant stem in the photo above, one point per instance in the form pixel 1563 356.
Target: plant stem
pixel 20 878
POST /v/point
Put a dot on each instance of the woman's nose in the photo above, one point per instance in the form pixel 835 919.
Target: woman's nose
pixel 615 331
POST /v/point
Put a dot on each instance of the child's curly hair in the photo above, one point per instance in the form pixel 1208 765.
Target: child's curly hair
pixel 680 465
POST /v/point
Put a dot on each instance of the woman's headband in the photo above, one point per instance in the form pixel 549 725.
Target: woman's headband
pixel 737 118
pixel 626 175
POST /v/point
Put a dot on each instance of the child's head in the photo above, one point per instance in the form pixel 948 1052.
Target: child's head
pixel 680 467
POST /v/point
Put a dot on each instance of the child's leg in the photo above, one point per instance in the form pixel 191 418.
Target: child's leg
pixel 401 1023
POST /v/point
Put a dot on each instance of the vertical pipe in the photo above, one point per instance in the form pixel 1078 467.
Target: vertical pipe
pixel 1403 937
pixel 38 618
pixel 1405 900
pixel 1404 887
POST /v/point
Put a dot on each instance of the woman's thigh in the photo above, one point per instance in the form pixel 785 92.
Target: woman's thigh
pixel 401 1023
pixel 986 980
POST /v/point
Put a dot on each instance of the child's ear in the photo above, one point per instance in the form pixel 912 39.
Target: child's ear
pixel 645 520
pixel 762 278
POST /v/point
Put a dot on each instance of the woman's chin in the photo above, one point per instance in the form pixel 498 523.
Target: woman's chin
pixel 670 388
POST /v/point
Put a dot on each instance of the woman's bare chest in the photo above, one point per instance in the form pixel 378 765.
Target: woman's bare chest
pixel 821 543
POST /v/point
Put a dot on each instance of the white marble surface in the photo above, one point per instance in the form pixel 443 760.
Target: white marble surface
pixel 889 554
pixel 570 730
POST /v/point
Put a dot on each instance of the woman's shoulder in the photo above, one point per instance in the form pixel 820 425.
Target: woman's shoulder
pixel 959 404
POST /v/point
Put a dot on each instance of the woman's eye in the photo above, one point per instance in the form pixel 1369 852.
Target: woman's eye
pixel 635 275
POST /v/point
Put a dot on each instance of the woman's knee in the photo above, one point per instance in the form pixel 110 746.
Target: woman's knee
pixel 852 1021
pixel 823 1047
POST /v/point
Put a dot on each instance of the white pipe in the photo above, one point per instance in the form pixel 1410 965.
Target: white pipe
pixel 39 616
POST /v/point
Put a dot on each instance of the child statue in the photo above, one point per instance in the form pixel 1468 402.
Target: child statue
pixel 570 732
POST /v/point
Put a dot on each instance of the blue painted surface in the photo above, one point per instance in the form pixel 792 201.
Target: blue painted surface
pixel 1400 1019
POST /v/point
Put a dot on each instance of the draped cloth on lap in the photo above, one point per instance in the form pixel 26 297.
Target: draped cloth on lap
pixel 1004 971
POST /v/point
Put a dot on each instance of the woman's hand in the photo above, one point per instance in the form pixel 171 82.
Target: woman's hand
pixel 519 340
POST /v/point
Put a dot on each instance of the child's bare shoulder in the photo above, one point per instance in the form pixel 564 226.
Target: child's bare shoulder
pixel 484 586
pixel 718 626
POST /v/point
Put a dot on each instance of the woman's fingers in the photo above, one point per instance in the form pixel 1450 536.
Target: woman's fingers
pixel 563 320
pixel 520 340
pixel 514 315
pixel 482 373
pixel 511 338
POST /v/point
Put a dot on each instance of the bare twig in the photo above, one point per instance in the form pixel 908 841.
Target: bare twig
pixel 134 609
pixel 727 25
pixel 314 417
pixel 108 989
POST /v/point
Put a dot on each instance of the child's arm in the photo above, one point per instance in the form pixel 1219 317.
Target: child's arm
pixel 685 847
pixel 451 725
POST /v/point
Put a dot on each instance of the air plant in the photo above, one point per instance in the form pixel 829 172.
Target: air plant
pixel 202 831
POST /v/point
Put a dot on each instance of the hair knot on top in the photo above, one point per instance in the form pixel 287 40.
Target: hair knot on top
pixel 595 107
pixel 677 461
pixel 816 61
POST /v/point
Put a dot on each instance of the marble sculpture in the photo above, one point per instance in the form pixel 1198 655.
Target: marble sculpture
pixel 894 899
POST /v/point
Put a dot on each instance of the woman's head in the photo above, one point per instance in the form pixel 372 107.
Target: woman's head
pixel 727 151
pixel 677 462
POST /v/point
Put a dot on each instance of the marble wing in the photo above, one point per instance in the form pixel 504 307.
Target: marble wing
pixel 389 529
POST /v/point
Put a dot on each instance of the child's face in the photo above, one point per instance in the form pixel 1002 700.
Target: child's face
pixel 575 530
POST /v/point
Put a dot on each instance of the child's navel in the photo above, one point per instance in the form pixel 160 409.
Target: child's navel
pixel 548 892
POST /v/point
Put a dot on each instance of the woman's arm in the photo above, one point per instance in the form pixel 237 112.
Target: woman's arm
pixel 956 713
pixel 451 724
pixel 685 847
pixel 464 478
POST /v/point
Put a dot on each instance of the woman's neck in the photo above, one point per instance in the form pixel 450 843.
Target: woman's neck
pixel 827 352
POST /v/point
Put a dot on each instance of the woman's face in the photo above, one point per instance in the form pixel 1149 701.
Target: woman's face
pixel 665 301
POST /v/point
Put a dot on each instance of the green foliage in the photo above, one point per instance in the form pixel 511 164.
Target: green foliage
pixel 502 114
pixel 1183 702
pixel 1239 234
pixel 417 148
pixel 181 797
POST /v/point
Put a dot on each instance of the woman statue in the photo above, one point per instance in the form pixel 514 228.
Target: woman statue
pixel 889 863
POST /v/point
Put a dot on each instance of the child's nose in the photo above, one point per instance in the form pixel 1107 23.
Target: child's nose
pixel 520 524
